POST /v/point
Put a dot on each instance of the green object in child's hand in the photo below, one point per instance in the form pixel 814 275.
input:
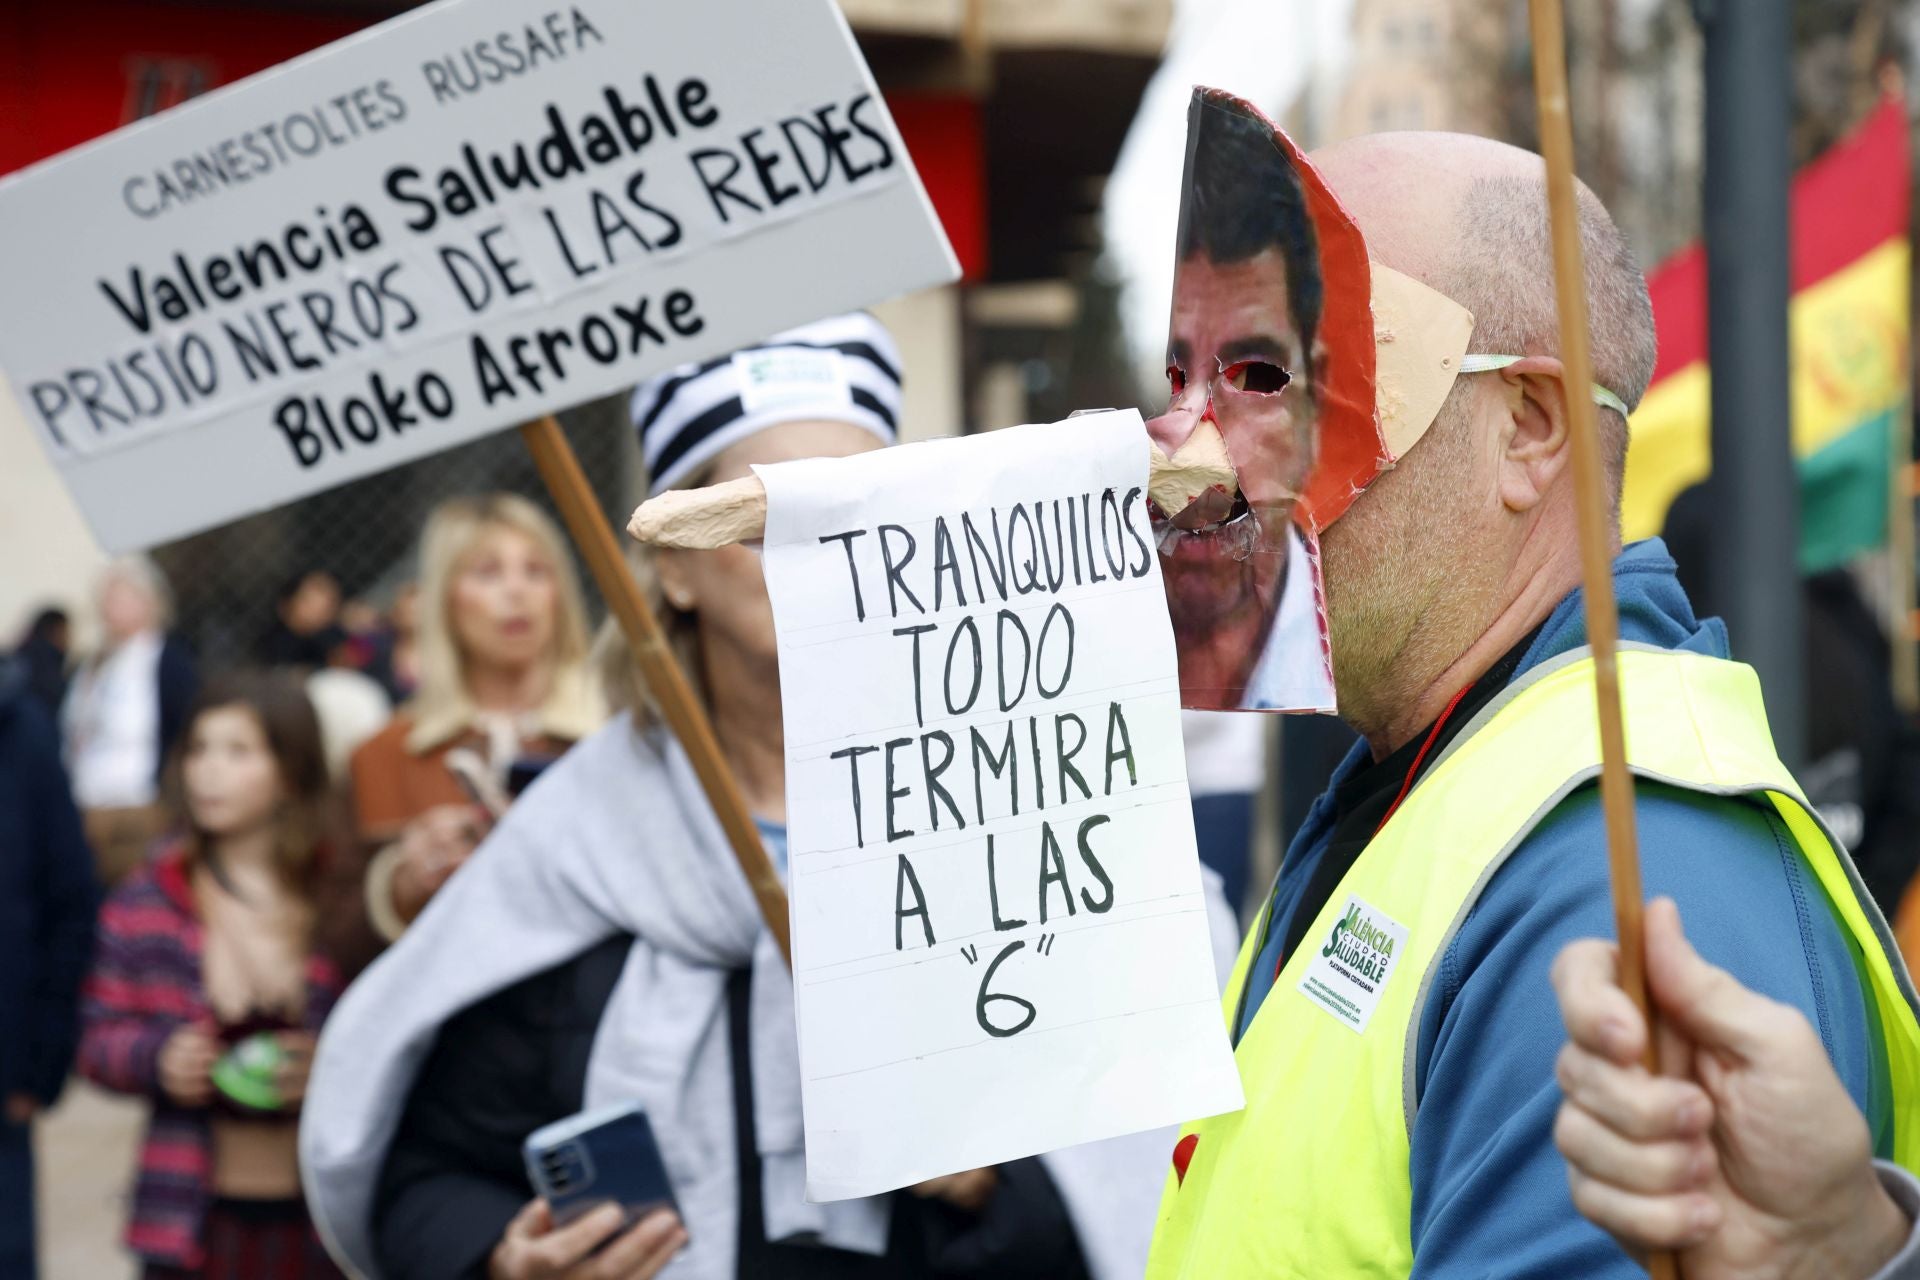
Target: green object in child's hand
pixel 247 1072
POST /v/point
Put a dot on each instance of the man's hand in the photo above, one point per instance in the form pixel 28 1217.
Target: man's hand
pixel 20 1108
pixel 186 1065
pixel 532 1249
pixel 1757 1164
pixel 432 847
pixel 969 1190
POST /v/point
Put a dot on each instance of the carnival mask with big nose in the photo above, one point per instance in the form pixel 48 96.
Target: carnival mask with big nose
pixel 1271 360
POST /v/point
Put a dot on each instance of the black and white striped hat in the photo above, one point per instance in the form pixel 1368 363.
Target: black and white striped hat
pixel 845 369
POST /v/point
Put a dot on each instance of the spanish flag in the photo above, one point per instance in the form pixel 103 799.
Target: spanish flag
pixel 1848 332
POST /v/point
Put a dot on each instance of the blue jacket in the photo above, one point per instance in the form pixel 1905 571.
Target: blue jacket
pixel 47 900
pixel 1489 1189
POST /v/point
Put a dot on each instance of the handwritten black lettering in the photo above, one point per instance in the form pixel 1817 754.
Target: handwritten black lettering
pixel 1004 762
pixel 993 894
pixel 945 562
pixel 896 586
pixel 1053 870
pixel 853 570
pixel 895 793
pixel 933 771
pixel 1063 754
pixel 986 998
pixel 905 880
pixel 1117 723
pixel 1005 618
pixel 1105 902
pixel 1112 534
pixel 852 756
pixel 1057 612
pixel 1128 506
pixel 971 629
pixel 915 631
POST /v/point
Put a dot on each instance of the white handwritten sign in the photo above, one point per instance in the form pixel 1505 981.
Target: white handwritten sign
pixel 463 218
pixel 1000 944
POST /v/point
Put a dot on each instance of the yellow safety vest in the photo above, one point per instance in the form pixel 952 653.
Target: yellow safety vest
pixel 1311 1179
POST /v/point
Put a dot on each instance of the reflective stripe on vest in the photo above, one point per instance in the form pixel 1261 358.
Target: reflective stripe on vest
pixel 1311 1179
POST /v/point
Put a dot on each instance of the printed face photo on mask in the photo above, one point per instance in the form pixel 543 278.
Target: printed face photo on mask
pixel 1235 361
pixel 1248 358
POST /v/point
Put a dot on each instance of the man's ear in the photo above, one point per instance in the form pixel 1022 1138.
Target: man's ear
pixel 1535 447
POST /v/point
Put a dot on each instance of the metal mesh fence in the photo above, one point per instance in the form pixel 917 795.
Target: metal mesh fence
pixel 364 533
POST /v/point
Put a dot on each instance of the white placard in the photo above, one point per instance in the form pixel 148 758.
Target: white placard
pixel 1000 944
pixel 461 219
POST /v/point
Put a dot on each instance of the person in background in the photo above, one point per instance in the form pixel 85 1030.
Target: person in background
pixel 207 990
pixel 1863 753
pixel 1226 768
pixel 306 629
pixel 504 689
pixel 352 707
pixel 45 652
pixel 403 656
pixel 1311 748
pixel 367 645
pixel 47 900
pixel 1754 1163
pixel 124 712
pixel 603 944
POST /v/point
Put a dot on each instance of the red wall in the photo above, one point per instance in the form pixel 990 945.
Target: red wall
pixel 943 134
pixel 75 68
pixel 71 70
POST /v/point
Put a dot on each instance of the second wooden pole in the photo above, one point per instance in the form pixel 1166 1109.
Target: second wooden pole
pixel 1596 529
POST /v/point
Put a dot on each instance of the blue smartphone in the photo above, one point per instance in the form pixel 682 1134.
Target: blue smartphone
pixel 604 1155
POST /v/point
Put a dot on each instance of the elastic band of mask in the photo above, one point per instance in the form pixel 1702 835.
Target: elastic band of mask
pixel 1488 364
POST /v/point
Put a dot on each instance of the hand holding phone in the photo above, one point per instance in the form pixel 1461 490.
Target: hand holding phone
pixel 607 1155
pixel 592 1247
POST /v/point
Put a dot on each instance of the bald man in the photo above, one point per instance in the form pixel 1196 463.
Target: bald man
pixel 1394 1023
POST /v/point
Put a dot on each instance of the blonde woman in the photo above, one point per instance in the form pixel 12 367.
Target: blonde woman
pixel 504 689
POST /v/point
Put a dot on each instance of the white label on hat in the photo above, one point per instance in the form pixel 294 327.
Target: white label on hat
pixel 1352 962
pixel 784 375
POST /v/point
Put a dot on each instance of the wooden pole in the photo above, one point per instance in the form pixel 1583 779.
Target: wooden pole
pixel 1596 533
pixel 560 469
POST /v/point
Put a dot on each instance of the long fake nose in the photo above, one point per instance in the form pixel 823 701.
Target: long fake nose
pixel 1172 429
pixel 1190 464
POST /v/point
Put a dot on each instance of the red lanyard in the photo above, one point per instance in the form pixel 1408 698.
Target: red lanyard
pixel 1413 770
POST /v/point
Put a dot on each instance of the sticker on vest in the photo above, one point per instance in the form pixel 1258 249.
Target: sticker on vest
pixel 1352 963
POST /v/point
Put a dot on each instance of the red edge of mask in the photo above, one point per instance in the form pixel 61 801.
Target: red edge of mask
pixel 1351 449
